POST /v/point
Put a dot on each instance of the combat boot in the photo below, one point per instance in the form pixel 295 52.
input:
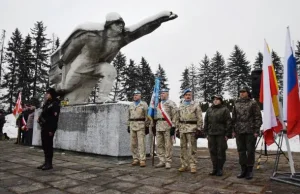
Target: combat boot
pixel 220 168
pixel 160 165
pixel 243 172
pixel 142 164
pixel 183 169
pixel 168 165
pixel 135 163
pixel 193 170
pixel 214 171
pixel 249 174
pixel 41 166
pixel 48 164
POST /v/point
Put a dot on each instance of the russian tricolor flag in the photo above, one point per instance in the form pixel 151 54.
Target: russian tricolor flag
pixel 269 98
pixel 291 101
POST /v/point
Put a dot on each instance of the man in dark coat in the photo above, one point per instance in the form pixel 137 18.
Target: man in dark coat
pixel 2 121
pixel 247 121
pixel 217 125
pixel 48 121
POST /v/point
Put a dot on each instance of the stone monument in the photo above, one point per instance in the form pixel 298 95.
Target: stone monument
pixel 85 57
pixel 76 67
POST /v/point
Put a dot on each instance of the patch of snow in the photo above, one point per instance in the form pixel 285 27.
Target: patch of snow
pixel 124 102
pixel 147 20
pixel 112 16
pixel 10 126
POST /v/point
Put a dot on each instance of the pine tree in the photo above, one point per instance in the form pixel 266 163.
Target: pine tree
pixel 41 54
pixel 205 79
pixel 278 70
pixel 25 72
pixel 13 58
pixel 131 83
pixel 297 55
pixel 147 80
pixel 193 81
pixel 120 64
pixel 238 70
pixel 163 77
pixel 218 73
pixel 258 61
pixel 185 81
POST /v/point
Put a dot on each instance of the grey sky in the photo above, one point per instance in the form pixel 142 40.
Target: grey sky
pixel 203 27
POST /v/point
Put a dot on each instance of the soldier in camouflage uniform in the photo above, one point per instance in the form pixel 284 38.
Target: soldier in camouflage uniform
pixel 247 120
pixel 164 131
pixel 136 128
pixel 189 123
pixel 217 125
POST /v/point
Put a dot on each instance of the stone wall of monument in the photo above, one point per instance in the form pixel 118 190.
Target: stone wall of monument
pixel 98 128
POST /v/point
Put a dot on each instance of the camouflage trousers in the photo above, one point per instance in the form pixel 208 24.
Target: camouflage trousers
pixel 246 148
pixel 188 147
pixel 137 143
pixel 164 146
pixel 217 146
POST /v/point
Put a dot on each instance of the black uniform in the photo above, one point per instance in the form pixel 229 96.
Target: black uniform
pixel 2 121
pixel 48 121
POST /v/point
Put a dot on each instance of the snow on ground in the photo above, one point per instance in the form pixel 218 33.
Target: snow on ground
pixel 10 126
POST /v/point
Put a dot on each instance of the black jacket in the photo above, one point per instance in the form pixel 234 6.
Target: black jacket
pixel 49 116
pixel 2 120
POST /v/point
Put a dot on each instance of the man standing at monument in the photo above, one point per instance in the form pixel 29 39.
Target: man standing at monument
pixel 48 121
pixel 247 120
pixel 165 129
pixel 189 123
pixel 137 125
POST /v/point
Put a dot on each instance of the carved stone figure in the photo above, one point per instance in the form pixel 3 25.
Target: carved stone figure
pixel 85 56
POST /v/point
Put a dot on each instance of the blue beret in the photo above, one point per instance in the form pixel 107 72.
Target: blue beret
pixel 136 92
pixel 164 90
pixel 186 91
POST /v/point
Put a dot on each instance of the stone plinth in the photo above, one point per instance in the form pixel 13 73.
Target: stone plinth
pixel 98 128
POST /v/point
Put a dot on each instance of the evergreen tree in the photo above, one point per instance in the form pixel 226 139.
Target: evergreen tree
pixel 238 70
pixel 131 83
pixel 120 64
pixel 147 80
pixel 205 79
pixel 41 54
pixel 57 43
pixel 185 81
pixel 13 58
pixel 26 70
pixel 193 81
pixel 218 73
pixel 297 55
pixel 163 77
pixel 258 61
pixel 278 67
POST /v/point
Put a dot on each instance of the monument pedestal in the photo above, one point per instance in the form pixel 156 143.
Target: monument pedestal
pixel 96 128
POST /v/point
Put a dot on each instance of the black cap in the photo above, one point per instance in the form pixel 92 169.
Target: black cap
pixel 218 96
pixel 52 92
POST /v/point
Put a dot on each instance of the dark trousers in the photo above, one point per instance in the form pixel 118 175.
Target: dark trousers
pixel 217 146
pixel 28 136
pixel 246 148
pixel 47 144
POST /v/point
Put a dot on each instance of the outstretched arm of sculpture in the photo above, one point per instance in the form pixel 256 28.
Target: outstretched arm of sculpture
pixel 147 26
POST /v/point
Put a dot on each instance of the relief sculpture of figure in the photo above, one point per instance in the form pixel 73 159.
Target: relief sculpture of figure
pixel 85 57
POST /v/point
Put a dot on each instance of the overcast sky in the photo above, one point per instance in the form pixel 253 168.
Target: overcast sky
pixel 203 27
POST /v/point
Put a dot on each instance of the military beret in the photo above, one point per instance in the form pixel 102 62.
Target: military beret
pixel 136 92
pixel 164 90
pixel 186 91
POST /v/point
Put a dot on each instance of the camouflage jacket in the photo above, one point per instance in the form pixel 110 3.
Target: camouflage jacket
pixel 139 111
pixel 217 121
pixel 246 116
pixel 171 110
pixel 191 112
